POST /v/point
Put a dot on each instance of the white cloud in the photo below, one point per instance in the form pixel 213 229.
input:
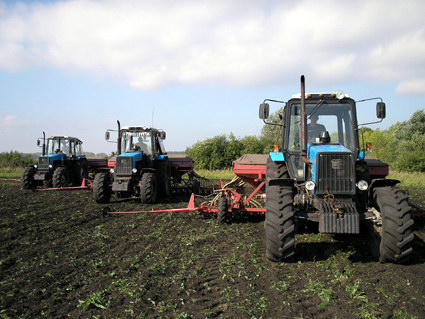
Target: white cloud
pixel 412 87
pixel 150 44
pixel 11 120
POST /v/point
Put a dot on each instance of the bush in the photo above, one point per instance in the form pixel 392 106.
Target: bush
pixel 219 152
pixel 15 159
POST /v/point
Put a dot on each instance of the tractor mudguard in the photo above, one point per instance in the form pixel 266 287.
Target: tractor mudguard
pixel 281 182
pixel 381 182
pixel 144 170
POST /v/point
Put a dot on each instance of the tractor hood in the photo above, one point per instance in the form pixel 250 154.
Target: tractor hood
pixel 55 157
pixel 314 149
pixel 137 156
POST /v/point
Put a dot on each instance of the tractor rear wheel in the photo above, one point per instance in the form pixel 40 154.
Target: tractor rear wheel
pixel 392 237
pixel 279 219
pixel 148 188
pixel 28 178
pixel 60 177
pixel 164 176
pixel 222 213
pixel 102 189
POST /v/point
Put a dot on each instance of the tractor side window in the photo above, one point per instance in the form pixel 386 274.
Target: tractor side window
pixel 161 146
pixel 294 136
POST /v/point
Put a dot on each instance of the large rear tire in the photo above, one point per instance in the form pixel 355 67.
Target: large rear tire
pixel 279 219
pixel 102 189
pixel 392 241
pixel 60 177
pixel 148 188
pixel 28 178
pixel 164 176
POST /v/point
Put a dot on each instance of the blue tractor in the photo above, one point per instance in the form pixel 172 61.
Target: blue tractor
pixel 61 164
pixel 319 174
pixel 142 167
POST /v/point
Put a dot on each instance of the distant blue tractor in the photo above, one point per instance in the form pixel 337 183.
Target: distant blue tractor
pixel 142 167
pixel 320 174
pixel 61 164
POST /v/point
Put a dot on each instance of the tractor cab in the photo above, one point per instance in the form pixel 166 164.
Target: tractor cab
pixel 330 130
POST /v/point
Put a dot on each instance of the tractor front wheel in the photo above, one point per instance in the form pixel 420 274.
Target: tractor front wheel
pixel 148 188
pixel 60 177
pixel 28 178
pixel 279 219
pixel 102 189
pixel 392 235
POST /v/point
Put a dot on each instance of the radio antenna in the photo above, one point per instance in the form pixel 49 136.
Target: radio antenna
pixel 153 113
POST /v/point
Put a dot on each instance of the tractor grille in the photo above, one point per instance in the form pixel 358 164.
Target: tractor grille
pixel 43 163
pixel 124 166
pixel 335 174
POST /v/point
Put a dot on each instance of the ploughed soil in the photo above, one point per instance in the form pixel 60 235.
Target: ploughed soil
pixel 61 258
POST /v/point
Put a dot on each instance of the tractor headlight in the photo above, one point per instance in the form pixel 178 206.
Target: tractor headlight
pixel 362 185
pixel 134 170
pixel 35 166
pixel 310 185
pixel 50 166
pixel 112 171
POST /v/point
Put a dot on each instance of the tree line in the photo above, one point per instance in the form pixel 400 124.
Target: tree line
pixel 402 145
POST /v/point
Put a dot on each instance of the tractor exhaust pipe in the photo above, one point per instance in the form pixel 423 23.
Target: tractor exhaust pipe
pixel 303 120
pixel 44 144
pixel 119 138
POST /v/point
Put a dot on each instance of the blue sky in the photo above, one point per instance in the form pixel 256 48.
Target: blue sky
pixel 200 67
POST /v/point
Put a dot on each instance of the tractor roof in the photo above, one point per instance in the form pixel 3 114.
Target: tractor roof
pixel 64 137
pixel 141 128
pixel 339 95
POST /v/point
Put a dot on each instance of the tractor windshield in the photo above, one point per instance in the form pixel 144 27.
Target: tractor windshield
pixel 58 145
pixel 67 146
pixel 132 141
pixel 336 118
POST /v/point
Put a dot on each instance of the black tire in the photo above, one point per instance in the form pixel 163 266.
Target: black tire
pixel 80 171
pixel 279 219
pixel 222 213
pixel 102 188
pixel 60 177
pixel 276 169
pixel 28 178
pixel 148 188
pixel 164 178
pixel 392 242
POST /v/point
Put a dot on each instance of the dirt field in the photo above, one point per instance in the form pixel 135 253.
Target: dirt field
pixel 59 257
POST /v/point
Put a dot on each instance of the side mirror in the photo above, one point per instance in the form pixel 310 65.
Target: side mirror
pixel 162 135
pixel 264 111
pixel 380 110
pixel 38 143
pixel 107 135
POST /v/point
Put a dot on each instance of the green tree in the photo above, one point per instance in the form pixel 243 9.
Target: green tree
pixel 15 159
pixel 252 145
pixel 210 153
pixel 272 134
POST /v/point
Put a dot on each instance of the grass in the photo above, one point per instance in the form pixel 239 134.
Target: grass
pixel 11 172
pixel 216 174
pixel 416 179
